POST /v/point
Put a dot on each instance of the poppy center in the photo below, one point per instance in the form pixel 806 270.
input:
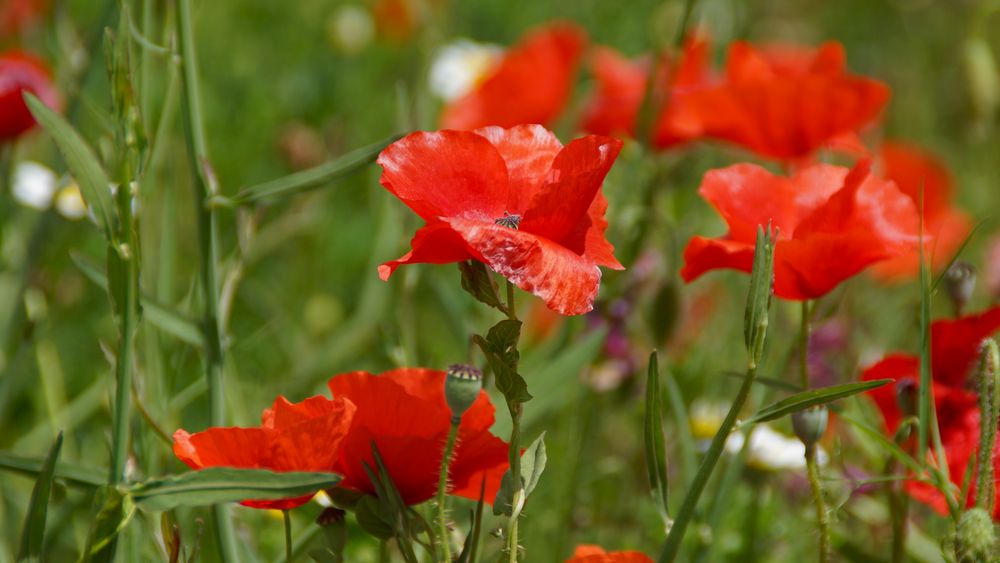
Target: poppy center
pixel 509 220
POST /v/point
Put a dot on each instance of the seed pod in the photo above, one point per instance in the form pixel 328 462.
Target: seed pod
pixel 960 280
pixel 810 424
pixel 461 388
pixel 976 538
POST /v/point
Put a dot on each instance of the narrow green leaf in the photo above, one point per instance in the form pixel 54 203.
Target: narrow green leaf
pixel 806 399
pixel 478 282
pixel 76 475
pixel 315 177
pixel 81 161
pixel 223 484
pixel 158 314
pixel 116 509
pixel 533 462
pixel 33 532
pixel 656 455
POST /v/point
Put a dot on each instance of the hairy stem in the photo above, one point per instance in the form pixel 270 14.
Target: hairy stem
pixel 442 508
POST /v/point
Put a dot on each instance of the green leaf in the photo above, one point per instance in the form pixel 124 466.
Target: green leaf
pixel 478 282
pixel 755 318
pixel 33 532
pixel 806 399
pixel 500 349
pixel 81 161
pixel 116 509
pixel 315 177
pixel 533 462
pixel 76 475
pixel 159 315
pixel 656 455
pixel 369 514
pixel 391 505
pixel 223 484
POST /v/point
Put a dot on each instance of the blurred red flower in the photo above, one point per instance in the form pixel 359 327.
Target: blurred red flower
pixel 785 102
pixel 991 268
pixel 945 226
pixel 304 436
pixel 514 199
pixel 621 87
pixel 404 413
pixel 954 353
pixel 16 15
pixel 19 72
pixel 832 224
pixel 595 554
pixel 530 84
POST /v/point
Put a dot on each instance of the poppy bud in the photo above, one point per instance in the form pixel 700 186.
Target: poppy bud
pixel 982 78
pixel 960 280
pixel 906 397
pixel 975 539
pixel 810 424
pixel 989 414
pixel 461 388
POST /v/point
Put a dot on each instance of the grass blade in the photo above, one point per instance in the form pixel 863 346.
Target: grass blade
pixel 33 532
pixel 813 397
pixel 77 475
pixel 656 456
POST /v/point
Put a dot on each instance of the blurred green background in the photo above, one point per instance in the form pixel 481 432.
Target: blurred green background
pixel 282 90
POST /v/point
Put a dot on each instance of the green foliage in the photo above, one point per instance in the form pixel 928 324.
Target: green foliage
pixel 33 532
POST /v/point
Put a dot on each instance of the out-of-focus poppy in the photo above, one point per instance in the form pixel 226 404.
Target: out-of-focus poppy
pixel 403 412
pixel 20 72
pixel 945 227
pixel 832 223
pixel 529 84
pixel 15 15
pixel 304 436
pixel 786 102
pixel 954 350
pixel 621 87
pixel 596 554
pixel 514 199
pixel 395 19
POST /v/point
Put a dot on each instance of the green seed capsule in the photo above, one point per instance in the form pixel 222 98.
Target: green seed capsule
pixel 461 388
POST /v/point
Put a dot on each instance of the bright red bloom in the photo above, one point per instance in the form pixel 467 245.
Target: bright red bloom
pixel 596 554
pixel 945 226
pixel 954 353
pixel 786 102
pixel 19 72
pixel 514 199
pixel 404 413
pixel 530 84
pixel 304 436
pixel 832 223
pixel 621 87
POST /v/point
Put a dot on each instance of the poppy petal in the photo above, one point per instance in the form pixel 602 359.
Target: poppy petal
pixel 572 184
pixel 222 447
pixel 704 254
pixel 434 243
pixel 528 151
pixel 564 280
pixel 955 345
pixel 468 176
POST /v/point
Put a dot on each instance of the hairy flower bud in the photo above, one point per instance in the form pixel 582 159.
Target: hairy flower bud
pixel 810 424
pixel 976 538
pixel 461 388
pixel 960 280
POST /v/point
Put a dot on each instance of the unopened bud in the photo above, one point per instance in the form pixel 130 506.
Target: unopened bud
pixel 983 78
pixel 906 397
pixel 461 388
pixel 960 280
pixel 976 538
pixel 810 424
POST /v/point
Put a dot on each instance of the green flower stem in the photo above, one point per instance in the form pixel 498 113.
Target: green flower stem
pixel 208 243
pixel 514 448
pixel 288 535
pixel 442 507
pixel 673 543
pixel 812 465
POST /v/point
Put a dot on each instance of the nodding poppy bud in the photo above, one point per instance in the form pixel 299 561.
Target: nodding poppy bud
pixel 461 388
pixel 975 539
pixel 960 279
pixel 906 397
pixel 810 424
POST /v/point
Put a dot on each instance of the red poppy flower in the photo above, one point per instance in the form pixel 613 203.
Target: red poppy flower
pixel 832 224
pixel 530 84
pixel 595 554
pixel 945 227
pixel 304 436
pixel 19 72
pixel 621 87
pixel 991 267
pixel 954 352
pixel 404 413
pixel 514 199
pixel 786 102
